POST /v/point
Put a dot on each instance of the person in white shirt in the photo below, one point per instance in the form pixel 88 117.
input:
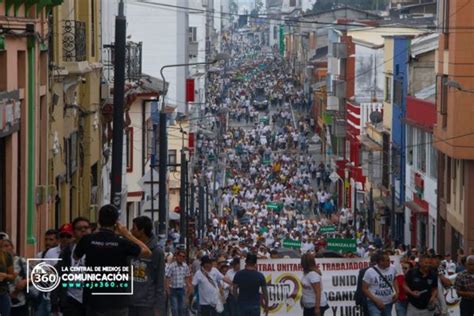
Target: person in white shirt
pixel 380 287
pixel 313 299
pixel 207 279
pixel 360 250
pixel 232 300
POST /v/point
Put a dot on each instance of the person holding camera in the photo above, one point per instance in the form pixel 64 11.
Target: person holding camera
pixel 111 246
pixel 421 287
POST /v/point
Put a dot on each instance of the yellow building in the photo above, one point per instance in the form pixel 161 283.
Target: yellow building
pixel 74 127
pixel 24 194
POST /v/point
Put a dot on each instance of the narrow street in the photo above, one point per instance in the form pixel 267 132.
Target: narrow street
pixel 236 158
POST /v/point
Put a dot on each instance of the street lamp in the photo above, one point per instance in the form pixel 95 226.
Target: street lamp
pixel 456 85
pixel 163 147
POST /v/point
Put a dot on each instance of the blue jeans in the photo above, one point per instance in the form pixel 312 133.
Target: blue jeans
pixel 401 308
pixel 249 310
pixel 177 302
pixel 375 311
pixel 233 306
pixel 5 304
pixel 44 307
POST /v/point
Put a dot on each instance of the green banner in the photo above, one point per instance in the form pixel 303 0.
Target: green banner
pixel 290 243
pixel 282 40
pixel 341 245
pixel 327 229
pixel 275 206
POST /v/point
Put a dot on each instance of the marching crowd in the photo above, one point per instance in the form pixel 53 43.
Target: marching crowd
pixel 274 190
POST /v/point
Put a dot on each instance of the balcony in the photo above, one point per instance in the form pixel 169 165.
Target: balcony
pixel 74 41
pixel 133 61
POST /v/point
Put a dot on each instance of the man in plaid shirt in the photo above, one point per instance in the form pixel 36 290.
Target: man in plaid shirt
pixel 465 288
pixel 178 282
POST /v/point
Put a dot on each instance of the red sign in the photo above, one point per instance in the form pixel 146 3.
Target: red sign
pixel 189 90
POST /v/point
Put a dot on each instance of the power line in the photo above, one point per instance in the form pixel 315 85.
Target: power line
pixel 222 14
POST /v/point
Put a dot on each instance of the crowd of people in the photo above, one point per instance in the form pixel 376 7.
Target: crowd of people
pixel 274 190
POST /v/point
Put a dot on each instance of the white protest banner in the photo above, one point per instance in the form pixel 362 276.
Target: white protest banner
pixel 339 282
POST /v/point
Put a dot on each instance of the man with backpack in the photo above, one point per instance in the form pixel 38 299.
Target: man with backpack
pixel 380 287
pixel 359 297
pixel 55 242
pixel 148 273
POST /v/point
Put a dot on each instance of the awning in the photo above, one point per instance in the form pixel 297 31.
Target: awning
pixel 318 85
pixel 415 208
pixel 369 143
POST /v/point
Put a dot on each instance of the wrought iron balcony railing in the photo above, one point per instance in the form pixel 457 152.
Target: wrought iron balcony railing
pixel 133 61
pixel 74 41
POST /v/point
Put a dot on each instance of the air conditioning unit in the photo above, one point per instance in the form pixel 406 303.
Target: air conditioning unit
pixel 333 103
pixel 105 91
pixel 339 50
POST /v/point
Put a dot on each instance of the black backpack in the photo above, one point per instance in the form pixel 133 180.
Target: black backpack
pixel 359 297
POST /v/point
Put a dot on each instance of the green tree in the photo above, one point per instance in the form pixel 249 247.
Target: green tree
pixel 233 10
pixel 255 11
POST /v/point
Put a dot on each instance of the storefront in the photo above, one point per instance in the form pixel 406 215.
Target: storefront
pixel 9 125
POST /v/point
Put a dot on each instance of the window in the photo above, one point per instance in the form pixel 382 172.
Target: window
pixel 398 92
pixel 396 162
pixel 421 151
pixel 454 173
pixel 443 100
pixel 462 180
pixel 410 147
pixel 448 180
pixel 71 154
pixel 192 34
pixel 433 158
pixel 148 140
pixel 275 32
pixel 129 148
pixel 3 73
pixel 292 3
pixel 386 160
pixel 172 160
pixel 92 35
pixel 445 22
pixel 388 89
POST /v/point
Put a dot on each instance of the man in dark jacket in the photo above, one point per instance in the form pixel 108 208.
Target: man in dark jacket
pixel 69 300
pixel 148 273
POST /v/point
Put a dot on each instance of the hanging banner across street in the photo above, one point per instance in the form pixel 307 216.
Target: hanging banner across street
pixel 339 282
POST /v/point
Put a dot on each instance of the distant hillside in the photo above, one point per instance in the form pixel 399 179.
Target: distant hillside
pixel 325 5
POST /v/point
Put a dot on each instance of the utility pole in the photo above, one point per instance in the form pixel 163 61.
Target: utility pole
pixel 182 198
pixel 163 166
pixel 201 212
pixel 119 86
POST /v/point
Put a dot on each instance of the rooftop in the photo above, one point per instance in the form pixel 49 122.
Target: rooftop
pixel 374 36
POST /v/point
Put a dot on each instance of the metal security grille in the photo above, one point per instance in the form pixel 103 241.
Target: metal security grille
pixel 74 41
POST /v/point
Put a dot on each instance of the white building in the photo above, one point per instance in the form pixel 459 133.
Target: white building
pixel 163 29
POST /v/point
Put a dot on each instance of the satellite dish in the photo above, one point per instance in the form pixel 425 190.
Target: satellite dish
pixel 376 117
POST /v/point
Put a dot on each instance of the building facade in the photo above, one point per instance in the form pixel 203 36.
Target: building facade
pixel 453 134
pixel 74 108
